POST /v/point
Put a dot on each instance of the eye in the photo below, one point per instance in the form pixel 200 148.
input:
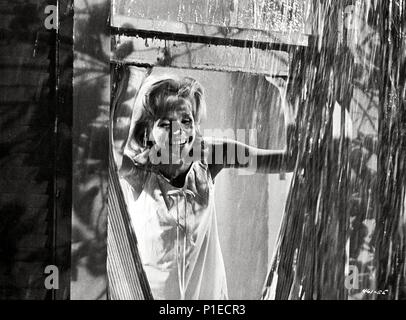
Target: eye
pixel 187 121
pixel 164 124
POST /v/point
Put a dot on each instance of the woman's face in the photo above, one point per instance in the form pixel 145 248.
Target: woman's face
pixel 174 133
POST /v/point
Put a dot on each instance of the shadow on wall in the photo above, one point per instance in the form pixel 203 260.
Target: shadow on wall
pixel 90 149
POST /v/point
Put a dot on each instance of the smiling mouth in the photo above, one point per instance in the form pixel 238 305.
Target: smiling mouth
pixel 181 141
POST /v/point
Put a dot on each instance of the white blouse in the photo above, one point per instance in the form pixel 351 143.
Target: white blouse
pixel 177 235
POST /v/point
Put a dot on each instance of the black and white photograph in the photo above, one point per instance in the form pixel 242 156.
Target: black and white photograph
pixel 203 150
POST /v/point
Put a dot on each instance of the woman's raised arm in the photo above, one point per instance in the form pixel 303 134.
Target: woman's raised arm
pixel 233 154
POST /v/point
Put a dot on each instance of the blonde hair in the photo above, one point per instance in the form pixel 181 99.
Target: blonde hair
pixel 158 95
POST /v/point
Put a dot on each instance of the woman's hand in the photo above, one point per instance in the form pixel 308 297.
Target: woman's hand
pixel 148 157
pixel 142 158
pixel 153 156
pixel 289 111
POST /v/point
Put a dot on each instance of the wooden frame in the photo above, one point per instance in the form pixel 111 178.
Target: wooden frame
pixel 215 34
pixel 149 52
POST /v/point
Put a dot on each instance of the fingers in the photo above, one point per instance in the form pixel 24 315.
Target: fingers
pixel 143 157
pixel 288 110
pixel 280 83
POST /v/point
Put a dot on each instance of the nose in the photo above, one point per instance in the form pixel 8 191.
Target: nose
pixel 176 128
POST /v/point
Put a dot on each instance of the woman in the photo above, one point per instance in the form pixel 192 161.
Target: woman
pixel 168 172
